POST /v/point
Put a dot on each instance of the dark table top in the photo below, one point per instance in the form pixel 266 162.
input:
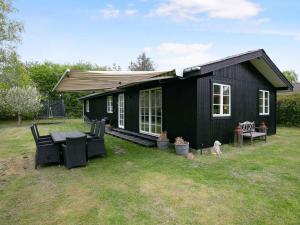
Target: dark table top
pixel 60 137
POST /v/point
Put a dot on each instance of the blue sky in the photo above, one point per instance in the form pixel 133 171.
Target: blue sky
pixel 174 33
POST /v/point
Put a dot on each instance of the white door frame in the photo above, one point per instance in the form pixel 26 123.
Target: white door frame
pixel 150 115
pixel 121 111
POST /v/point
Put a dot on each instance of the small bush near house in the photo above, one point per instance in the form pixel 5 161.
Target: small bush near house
pixel 288 110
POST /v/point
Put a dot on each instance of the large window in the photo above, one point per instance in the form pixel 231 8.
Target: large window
pixel 87 106
pixel 150 111
pixel 109 104
pixel 264 102
pixel 221 100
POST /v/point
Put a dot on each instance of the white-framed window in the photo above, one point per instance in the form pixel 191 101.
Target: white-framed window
pixel 109 104
pixel 264 102
pixel 221 100
pixel 87 105
pixel 151 111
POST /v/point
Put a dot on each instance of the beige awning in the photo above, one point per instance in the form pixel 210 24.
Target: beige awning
pixel 74 81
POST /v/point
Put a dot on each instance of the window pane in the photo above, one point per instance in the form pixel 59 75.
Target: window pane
pixel 158 97
pixel 226 109
pixel 153 128
pixel 266 109
pixel 217 89
pixel 217 109
pixel 261 109
pixel 261 94
pixel 158 112
pixel 146 127
pixel 158 129
pixel 266 101
pixel 216 99
pixel 225 90
pixel 226 100
pixel 158 120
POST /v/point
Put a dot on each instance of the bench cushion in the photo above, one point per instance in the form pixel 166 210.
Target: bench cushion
pixel 254 134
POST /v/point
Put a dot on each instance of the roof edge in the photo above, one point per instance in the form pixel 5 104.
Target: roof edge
pixel 61 78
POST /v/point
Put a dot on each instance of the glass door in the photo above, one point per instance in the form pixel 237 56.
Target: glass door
pixel 121 111
pixel 151 111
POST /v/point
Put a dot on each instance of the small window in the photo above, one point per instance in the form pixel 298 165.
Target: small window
pixel 221 100
pixel 87 106
pixel 109 104
pixel 264 106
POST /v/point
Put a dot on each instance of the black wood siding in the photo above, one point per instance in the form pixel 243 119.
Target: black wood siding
pixel 187 105
pixel 178 108
pixel 245 83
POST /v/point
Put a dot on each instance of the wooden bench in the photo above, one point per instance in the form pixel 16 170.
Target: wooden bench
pixel 252 132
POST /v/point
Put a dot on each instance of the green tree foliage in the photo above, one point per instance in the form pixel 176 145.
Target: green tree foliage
pixel 143 63
pixel 12 71
pixel 9 29
pixel 288 109
pixel 22 101
pixel 291 75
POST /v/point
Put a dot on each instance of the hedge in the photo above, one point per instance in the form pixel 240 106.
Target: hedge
pixel 288 109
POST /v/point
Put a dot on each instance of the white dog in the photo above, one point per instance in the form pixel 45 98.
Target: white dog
pixel 217 148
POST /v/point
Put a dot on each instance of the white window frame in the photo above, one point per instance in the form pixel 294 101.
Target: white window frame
pixel 150 115
pixel 264 113
pixel 87 105
pixel 109 105
pixel 121 121
pixel 221 100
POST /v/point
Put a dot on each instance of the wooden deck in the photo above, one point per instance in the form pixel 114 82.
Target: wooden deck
pixel 141 139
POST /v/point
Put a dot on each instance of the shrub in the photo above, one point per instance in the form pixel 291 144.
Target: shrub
pixel 288 109
pixel 23 101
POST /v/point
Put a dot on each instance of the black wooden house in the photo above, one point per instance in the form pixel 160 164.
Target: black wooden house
pixel 203 105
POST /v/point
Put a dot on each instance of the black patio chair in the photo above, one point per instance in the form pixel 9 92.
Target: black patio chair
pixel 41 137
pixel 92 130
pixel 95 145
pixel 36 137
pixel 74 152
pixel 46 151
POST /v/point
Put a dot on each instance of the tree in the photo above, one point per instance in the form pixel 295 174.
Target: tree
pixel 291 75
pixel 11 69
pixel 13 72
pixel 9 28
pixel 143 63
pixel 23 101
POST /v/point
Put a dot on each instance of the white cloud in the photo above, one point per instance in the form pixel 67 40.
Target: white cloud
pixel 109 12
pixel 171 55
pixel 192 9
pixel 261 21
pixel 130 12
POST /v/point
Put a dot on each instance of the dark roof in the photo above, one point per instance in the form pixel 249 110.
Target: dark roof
pixel 296 89
pixel 258 58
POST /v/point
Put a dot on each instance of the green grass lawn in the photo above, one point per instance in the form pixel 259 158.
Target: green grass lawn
pixel 257 184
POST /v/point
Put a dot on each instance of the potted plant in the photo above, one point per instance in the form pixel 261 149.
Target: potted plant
pixel 163 141
pixel 181 146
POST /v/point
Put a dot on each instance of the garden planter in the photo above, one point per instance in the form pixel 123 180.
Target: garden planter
pixel 182 149
pixel 164 144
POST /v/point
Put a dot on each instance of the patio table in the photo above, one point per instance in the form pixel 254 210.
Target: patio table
pixel 60 137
